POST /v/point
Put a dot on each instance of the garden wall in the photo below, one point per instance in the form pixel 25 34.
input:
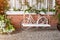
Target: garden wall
pixel 16 20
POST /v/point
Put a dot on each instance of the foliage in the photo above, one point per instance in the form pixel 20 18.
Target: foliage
pixel 4 22
pixel 32 10
pixel 58 17
pixel 58 11
pixel 52 10
pixel 1 17
pixel 44 10
pixel 37 11
pixel 58 7
pixel 8 27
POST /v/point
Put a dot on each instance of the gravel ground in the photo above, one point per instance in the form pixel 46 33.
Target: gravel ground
pixel 32 35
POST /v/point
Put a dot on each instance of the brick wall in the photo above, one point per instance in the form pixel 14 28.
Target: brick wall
pixel 16 20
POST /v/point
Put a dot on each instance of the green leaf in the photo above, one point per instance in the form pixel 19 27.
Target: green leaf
pixel 58 17
pixel 1 17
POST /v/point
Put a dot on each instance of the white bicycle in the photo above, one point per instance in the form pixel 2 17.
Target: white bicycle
pixel 29 22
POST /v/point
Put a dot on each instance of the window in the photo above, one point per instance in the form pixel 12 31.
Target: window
pixel 14 4
pixel 38 4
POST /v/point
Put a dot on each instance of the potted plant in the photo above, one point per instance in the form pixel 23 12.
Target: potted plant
pixel 58 24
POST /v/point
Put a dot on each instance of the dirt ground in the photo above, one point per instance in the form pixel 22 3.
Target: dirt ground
pixel 32 34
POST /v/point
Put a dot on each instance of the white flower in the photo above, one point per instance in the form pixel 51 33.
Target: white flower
pixel 2 24
pixel 2 21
